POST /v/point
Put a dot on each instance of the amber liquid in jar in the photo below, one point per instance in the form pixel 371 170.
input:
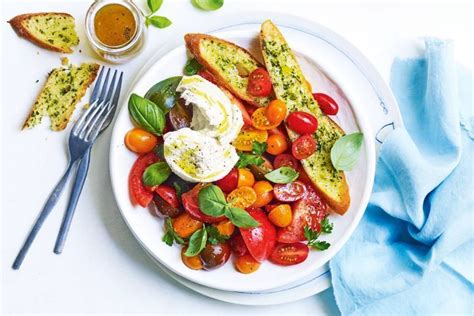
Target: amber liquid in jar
pixel 114 25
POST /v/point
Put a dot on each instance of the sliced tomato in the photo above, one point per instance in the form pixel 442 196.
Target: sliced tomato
pixel 309 211
pixel 168 194
pixel 280 130
pixel 259 240
pixel 289 254
pixel 289 192
pixel 207 75
pixel 190 202
pixel 303 147
pixel 260 120
pixel 229 182
pixel 139 193
pixel 240 105
pixel 285 160
pixel 259 84
pixel 247 136
pixel 237 245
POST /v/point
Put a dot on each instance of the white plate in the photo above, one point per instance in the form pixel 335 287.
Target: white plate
pixel 356 86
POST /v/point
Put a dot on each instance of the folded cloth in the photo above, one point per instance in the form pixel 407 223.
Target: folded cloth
pixel 412 253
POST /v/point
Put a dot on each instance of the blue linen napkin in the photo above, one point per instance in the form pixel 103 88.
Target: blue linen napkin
pixel 412 253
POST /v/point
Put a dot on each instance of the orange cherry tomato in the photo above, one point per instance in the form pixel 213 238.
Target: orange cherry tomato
pixel 246 178
pixel 246 264
pixel 184 225
pixel 264 191
pixel 191 262
pixel 247 136
pixel 260 120
pixel 225 228
pixel 140 141
pixel 276 111
pixel 277 144
pixel 281 215
pixel 242 197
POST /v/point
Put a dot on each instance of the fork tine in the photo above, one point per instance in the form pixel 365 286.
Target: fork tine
pixel 95 129
pixel 112 83
pixel 117 91
pixel 95 92
pixel 104 86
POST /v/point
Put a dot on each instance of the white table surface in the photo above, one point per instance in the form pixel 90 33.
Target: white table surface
pixel 103 269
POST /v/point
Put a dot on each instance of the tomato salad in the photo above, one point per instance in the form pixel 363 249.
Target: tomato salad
pixel 265 207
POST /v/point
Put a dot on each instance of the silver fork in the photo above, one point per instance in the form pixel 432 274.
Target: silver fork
pixel 81 138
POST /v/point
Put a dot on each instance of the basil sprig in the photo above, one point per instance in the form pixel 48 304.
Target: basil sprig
pixel 199 239
pixel 208 5
pixel 212 202
pixel 146 114
pixel 192 67
pixel 282 175
pixel 255 158
pixel 156 174
pixel 171 236
pixel 345 151
pixel 156 20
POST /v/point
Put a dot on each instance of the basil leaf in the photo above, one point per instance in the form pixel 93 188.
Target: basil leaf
pixel 154 5
pixel 240 217
pixel 282 175
pixel 249 159
pixel 345 151
pixel 160 151
pixel 212 201
pixel 192 67
pixel 197 242
pixel 156 174
pixel 145 114
pixel 259 148
pixel 158 21
pixel 180 187
pixel 164 93
pixel 213 235
pixel 208 5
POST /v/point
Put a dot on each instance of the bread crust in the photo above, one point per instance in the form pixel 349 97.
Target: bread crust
pixel 17 25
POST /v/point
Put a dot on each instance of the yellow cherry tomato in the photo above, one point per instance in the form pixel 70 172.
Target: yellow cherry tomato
pixel 281 215
pixel 225 228
pixel 247 136
pixel 184 225
pixel 277 144
pixel 264 192
pixel 276 111
pixel 246 264
pixel 242 197
pixel 246 178
pixel 140 141
pixel 191 262
pixel 260 120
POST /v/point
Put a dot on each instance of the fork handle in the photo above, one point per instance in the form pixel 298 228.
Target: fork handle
pixel 47 208
pixel 81 175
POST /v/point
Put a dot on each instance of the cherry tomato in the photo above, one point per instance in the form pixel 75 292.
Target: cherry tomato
pixel 191 262
pixel 247 136
pixel 238 245
pixel 302 122
pixel 276 144
pixel 184 225
pixel 163 208
pixel 242 197
pixel 264 192
pixel 285 160
pixel 309 211
pixel 303 147
pixel 276 111
pixel 259 84
pixel 259 240
pixel 246 178
pixel 138 191
pixel 207 75
pixel 214 256
pixel 225 228
pixel 190 202
pixel 168 194
pixel 246 264
pixel 279 130
pixel 289 254
pixel 280 215
pixel 260 120
pixel 326 103
pixel 289 192
pixel 140 141
pixel 240 105
pixel 229 182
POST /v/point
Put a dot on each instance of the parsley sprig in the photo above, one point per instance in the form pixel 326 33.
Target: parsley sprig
pixel 313 236
pixel 255 158
pixel 170 236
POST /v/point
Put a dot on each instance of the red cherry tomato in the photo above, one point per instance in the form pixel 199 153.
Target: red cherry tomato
pixel 207 75
pixel 229 182
pixel 245 114
pixel 191 206
pixel 168 194
pixel 309 211
pixel 285 160
pixel 259 240
pixel 303 147
pixel 289 254
pixel 138 191
pixel 289 192
pixel 237 245
pixel 302 122
pixel 270 207
pixel 259 84
pixel 326 103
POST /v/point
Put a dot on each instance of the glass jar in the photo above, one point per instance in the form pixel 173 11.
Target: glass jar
pixel 116 53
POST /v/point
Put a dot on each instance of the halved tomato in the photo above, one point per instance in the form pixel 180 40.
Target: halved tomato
pixel 247 136
pixel 260 120
pixel 285 160
pixel 138 191
pixel 260 84
pixel 191 205
pixel 237 245
pixel 289 254
pixel 289 192
pixel 168 194
pixel 309 211
pixel 259 240
pixel 304 147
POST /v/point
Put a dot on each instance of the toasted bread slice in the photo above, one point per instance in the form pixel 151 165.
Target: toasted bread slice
pixel 290 86
pixel 53 31
pixel 229 63
pixel 63 89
